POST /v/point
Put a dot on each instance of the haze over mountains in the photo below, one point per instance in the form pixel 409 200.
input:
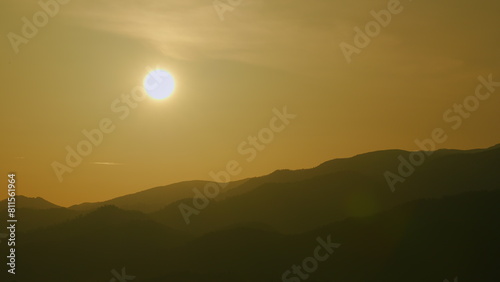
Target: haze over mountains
pixel 442 221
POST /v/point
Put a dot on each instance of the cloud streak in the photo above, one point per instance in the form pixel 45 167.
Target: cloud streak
pixel 254 33
pixel 107 163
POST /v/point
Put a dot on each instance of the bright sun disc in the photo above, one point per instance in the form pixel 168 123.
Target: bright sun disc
pixel 159 84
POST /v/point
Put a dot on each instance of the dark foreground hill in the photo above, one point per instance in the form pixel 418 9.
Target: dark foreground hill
pixel 424 240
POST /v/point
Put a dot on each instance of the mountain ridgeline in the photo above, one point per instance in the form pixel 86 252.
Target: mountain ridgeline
pixel 340 221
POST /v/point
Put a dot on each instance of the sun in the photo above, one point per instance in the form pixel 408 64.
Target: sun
pixel 159 84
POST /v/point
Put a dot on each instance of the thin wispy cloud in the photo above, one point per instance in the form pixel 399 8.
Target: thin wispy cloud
pixel 106 163
pixel 252 33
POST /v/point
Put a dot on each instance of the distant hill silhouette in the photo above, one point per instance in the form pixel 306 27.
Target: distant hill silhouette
pixel 152 199
pixel 371 165
pixel 339 189
pixel 35 218
pixel 424 240
pixel 36 213
pixel 31 203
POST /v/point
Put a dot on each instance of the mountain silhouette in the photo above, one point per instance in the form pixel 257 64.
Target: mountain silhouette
pixel 331 191
pixel 423 240
pixel 339 189
pixel 372 165
pixel 442 221
pixel 151 199
pixel 31 203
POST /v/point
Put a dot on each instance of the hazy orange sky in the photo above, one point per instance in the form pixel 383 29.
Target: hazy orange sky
pixel 230 74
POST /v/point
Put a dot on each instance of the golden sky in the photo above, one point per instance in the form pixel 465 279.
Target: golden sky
pixel 231 70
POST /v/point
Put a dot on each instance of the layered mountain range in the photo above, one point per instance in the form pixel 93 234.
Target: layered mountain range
pixel 439 221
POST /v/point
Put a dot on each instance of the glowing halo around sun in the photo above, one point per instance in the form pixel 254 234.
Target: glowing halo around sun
pixel 159 84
